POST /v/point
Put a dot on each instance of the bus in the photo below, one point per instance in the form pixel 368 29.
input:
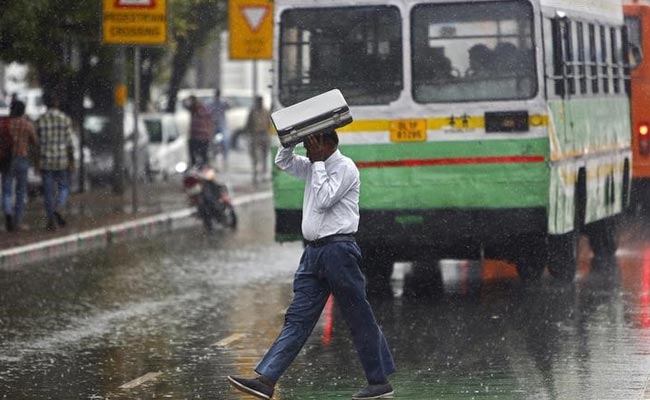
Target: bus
pixel 637 20
pixel 482 129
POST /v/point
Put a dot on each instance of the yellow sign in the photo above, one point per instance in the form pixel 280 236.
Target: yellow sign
pixel 408 130
pixel 135 22
pixel 251 29
pixel 121 95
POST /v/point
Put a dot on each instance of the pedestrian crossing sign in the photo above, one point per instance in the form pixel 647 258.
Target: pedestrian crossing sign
pixel 135 22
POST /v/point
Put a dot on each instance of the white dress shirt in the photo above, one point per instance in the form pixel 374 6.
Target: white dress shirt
pixel 331 202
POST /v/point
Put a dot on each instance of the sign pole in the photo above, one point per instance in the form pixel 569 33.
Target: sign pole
pixel 254 79
pixel 136 133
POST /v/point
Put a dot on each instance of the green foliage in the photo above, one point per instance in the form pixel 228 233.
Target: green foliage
pixel 43 33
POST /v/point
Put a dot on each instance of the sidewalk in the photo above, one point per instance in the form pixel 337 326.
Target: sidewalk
pixel 100 208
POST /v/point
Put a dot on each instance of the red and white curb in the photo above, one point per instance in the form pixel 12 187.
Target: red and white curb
pixel 104 237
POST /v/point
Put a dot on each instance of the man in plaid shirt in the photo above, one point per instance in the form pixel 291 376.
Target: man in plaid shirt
pixel 24 138
pixel 55 159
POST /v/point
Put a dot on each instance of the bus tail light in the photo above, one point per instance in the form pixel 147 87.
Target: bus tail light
pixel 644 139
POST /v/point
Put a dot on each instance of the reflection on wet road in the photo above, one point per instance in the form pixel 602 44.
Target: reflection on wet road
pixel 170 318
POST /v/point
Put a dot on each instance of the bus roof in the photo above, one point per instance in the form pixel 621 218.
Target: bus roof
pixel 604 9
pixel 611 10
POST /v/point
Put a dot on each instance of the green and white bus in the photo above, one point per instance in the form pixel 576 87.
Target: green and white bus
pixel 483 129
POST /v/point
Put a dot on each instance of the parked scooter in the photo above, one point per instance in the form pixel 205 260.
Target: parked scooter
pixel 210 197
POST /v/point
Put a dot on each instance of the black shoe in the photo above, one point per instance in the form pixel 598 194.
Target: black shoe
pixel 59 219
pixel 50 227
pixel 9 223
pixel 384 391
pixel 254 387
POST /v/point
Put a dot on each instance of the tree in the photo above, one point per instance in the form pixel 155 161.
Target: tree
pixel 192 24
pixel 60 40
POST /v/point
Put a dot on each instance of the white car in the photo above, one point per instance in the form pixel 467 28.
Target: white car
pixel 168 149
pixel 98 140
pixel 4 108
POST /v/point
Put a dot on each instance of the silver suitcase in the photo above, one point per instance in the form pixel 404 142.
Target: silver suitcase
pixel 312 116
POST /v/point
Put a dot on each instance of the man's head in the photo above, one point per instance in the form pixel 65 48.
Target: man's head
pixel 17 109
pixel 321 146
pixel 50 99
pixel 259 102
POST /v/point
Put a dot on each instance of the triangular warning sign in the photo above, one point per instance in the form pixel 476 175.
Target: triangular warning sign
pixel 254 15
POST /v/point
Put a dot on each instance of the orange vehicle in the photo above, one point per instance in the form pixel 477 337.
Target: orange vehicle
pixel 637 19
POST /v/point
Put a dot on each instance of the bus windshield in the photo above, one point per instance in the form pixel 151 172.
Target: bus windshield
pixel 466 52
pixel 355 49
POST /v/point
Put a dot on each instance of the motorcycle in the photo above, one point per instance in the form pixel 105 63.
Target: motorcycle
pixel 210 197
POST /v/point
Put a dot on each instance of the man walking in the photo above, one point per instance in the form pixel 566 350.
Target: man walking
pixel 56 159
pixel 23 135
pixel 259 126
pixel 218 110
pixel 329 264
pixel 200 131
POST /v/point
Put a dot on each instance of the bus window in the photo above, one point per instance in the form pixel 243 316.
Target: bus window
pixel 355 49
pixel 569 59
pixel 634 40
pixel 593 59
pixel 615 41
pixel 582 69
pixel 488 45
pixel 604 58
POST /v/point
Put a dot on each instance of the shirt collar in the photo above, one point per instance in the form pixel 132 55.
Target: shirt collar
pixel 332 158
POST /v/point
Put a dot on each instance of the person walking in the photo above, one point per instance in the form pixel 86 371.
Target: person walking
pixel 218 110
pixel 24 141
pixel 56 159
pixel 259 125
pixel 329 265
pixel 201 131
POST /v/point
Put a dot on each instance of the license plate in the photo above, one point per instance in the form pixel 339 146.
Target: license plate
pixel 408 130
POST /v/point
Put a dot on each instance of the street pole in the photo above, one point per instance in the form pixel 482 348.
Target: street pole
pixel 254 79
pixel 117 121
pixel 136 133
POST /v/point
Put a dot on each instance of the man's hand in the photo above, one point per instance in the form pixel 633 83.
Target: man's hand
pixel 316 149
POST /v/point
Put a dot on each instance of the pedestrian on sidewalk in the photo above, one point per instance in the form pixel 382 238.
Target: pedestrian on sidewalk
pixel 259 127
pixel 218 110
pixel 24 143
pixel 329 264
pixel 56 159
pixel 201 131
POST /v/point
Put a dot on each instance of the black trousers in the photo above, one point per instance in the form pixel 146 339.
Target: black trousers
pixel 199 151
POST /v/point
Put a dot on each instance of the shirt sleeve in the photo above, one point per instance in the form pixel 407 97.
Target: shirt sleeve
pixel 330 188
pixel 291 163
pixel 69 133
pixel 33 136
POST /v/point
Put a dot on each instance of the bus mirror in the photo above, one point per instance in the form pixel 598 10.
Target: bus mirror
pixel 635 55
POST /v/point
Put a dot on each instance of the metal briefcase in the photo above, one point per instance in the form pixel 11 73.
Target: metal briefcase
pixel 315 115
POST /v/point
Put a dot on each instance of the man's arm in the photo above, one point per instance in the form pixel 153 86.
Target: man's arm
pixel 291 163
pixel 70 144
pixel 330 188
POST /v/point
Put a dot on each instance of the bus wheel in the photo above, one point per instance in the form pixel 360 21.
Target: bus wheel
pixel 377 266
pixel 563 256
pixel 530 259
pixel 602 238
pixel 424 280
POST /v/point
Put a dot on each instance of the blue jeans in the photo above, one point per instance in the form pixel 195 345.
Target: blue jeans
pixel 17 174
pixel 61 178
pixel 331 268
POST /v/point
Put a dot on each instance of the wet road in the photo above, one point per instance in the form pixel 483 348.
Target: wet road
pixel 170 318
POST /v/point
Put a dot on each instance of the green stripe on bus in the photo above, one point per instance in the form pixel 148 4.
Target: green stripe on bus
pixel 449 186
